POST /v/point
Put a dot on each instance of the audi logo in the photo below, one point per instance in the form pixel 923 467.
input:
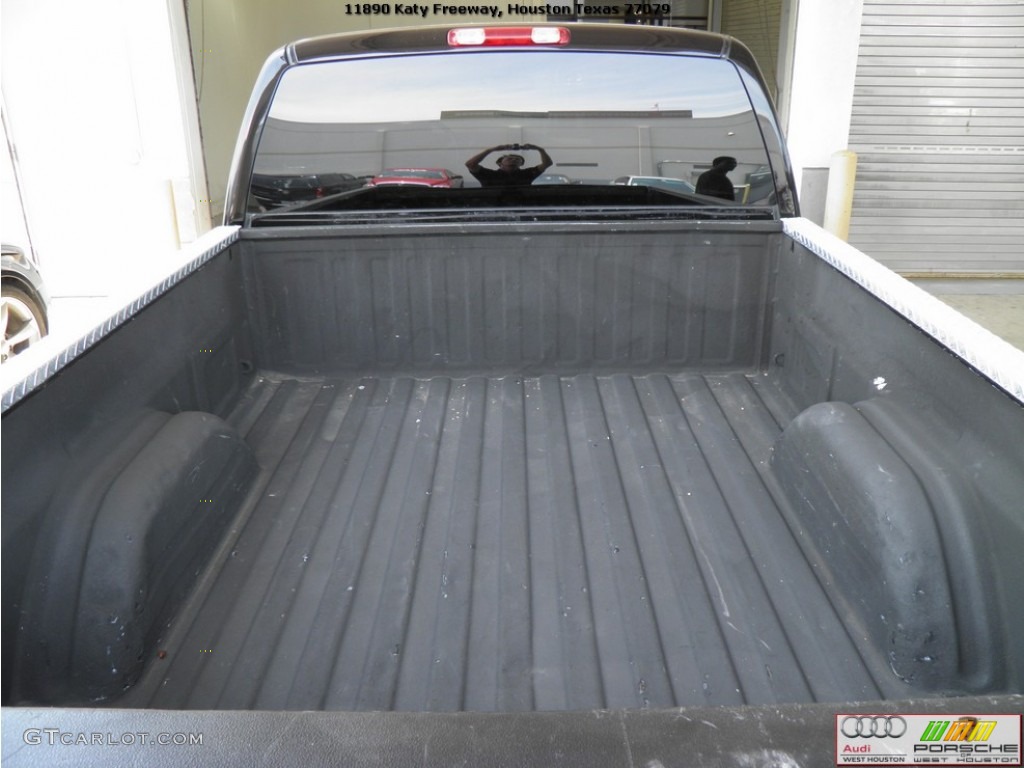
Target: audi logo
pixel 873 726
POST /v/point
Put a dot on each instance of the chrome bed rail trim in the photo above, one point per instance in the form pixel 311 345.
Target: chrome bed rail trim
pixel 21 375
pixel 993 357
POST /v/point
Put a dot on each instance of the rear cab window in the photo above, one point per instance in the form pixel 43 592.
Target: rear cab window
pixel 351 136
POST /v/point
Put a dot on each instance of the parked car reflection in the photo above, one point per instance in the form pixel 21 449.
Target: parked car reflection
pixel 552 178
pixel 420 177
pixel 277 189
pixel 23 310
pixel 663 182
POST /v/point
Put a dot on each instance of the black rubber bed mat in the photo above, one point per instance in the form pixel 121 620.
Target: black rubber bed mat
pixel 508 544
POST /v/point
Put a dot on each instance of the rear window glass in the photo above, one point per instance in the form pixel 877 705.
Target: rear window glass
pixel 353 131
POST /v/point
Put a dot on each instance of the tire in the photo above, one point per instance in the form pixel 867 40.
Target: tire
pixel 23 321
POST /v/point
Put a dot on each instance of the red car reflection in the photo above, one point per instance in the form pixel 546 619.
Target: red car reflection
pixel 419 177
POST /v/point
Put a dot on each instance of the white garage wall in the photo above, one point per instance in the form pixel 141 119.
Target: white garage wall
pixel 92 100
pixel 820 98
pixel 13 227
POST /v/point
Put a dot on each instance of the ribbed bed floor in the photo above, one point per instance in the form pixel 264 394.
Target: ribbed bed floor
pixel 512 543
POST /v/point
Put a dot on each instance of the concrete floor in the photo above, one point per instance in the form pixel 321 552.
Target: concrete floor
pixel 997 305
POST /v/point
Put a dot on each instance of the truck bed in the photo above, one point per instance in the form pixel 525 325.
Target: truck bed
pixel 677 465
pixel 508 543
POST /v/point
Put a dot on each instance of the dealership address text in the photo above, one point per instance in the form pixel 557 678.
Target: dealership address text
pixel 423 10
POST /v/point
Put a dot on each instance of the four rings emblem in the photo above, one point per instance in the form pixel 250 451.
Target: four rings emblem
pixel 873 726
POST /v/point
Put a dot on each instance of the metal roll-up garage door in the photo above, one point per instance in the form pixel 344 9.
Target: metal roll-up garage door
pixel 938 125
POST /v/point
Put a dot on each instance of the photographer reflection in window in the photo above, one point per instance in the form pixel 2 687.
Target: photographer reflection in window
pixel 715 182
pixel 510 171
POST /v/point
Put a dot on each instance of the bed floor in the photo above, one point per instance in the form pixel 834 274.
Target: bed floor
pixel 505 544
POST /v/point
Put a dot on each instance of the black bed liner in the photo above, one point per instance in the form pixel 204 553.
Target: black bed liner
pixel 508 544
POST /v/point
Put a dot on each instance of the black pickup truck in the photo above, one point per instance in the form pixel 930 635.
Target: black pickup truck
pixel 534 474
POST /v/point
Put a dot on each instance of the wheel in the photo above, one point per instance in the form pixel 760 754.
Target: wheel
pixel 22 319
